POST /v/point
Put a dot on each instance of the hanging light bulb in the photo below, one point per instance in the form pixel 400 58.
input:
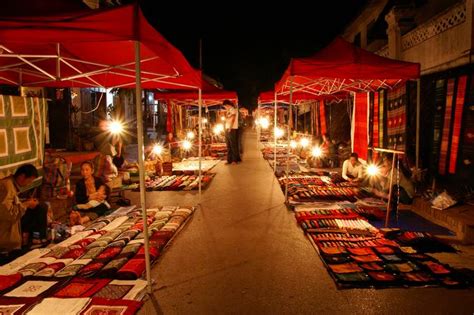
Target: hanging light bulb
pixel 264 123
pixel 190 135
pixel 157 149
pixel 218 129
pixel 204 120
pixel 278 132
pixel 373 170
pixel 316 152
pixel 293 144
pixel 187 145
pixel 304 142
pixel 115 127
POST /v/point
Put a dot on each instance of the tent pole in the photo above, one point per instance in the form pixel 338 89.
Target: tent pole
pixel 274 135
pixel 288 144
pixel 141 166
pixel 258 126
pixel 418 110
pixel 200 145
pixel 387 217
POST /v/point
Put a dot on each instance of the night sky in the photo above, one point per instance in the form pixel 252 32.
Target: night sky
pixel 246 47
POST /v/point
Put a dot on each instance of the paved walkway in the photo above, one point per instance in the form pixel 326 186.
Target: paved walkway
pixel 242 253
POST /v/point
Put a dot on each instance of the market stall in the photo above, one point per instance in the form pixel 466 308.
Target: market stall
pixel 113 48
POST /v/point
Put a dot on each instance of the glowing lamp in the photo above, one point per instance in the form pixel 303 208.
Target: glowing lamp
pixel 293 144
pixel 264 123
pixel 204 120
pixel 316 152
pixel 190 135
pixel 278 132
pixel 372 170
pixel 304 142
pixel 187 145
pixel 115 127
pixel 218 129
pixel 222 118
pixel 157 149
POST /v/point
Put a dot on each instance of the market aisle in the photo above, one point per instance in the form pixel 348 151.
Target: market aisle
pixel 243 253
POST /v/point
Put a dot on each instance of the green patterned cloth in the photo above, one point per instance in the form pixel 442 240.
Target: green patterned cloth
pixel 22 132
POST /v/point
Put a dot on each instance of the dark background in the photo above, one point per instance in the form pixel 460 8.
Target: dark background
pixel 247 46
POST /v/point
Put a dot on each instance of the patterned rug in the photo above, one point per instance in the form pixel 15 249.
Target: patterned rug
pixel 396 118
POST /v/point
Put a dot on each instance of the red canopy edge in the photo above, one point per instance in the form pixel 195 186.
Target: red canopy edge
pixel 94 48
pixel 342 66
pixel 297 97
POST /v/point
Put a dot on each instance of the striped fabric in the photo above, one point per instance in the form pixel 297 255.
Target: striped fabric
pixel 440 98
pixel 381 118
pixel 375 125
pixel 443 154
pixel 459 106
pixel 360 125
pixel 396 118
pixel 322 117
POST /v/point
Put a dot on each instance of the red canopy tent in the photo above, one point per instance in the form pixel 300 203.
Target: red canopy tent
pixel 106 48
pixel 343 67
pixel 91 48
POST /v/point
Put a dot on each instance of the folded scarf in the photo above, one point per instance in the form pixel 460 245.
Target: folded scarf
pixel 33 288
pixel 91 269
pixel 381 276
pixel 384 250
pixel 73 268
pixel 79 287
pixel 133 269
pixel 65 306
pixel 32 268
pixel 366 258
pixel 57 252
pixel 51 269
pixel 109 253
pixel 74 253
pixel 96 226
pixel 372 266
pixel 127 235
pixel 332 250
pixel 9 281
pixel 436 268
pixel 404 267
pixel 352 277
pixel 110 270
pixel 417 277
pixel 130 250
pixel 345 268
pixel 361 251
pixel 154 253
pixel 119 243
pixel 93 253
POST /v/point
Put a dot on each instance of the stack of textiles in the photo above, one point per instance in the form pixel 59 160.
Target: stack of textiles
pixel 313 188
pixel 94 269
pixel 356 254
pixel 178 182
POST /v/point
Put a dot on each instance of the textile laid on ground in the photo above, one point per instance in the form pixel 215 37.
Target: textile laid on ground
pixel 356 254
pixel 396 118
pixel 77 274
pixel 308 188
pixel 193 165
pixel 22 132
pixel 179 182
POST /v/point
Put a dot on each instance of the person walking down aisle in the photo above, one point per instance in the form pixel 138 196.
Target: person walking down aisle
pixel 231 134
pixel 19 218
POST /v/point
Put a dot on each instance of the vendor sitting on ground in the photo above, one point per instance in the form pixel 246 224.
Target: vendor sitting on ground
pixel 352 169
pixel 403 188
pixel 19 218
pixel 91 197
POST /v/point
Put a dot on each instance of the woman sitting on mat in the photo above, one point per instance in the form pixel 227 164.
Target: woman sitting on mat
pixel 91 196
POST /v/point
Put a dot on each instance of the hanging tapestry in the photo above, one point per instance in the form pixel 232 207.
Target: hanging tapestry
pixel 467 148
pixel 459 106
pixel 381 112
pixel 322 117
pixel 440 99
pixel 22 132
pixel 359 125
pixel 375 125
pixel 396 118
pixel 443 154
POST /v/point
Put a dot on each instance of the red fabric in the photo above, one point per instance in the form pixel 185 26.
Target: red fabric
pixel 345 61
pixel 132 270
pixel 360 125
pixel 446 128
pixel 169 118
pixel 461 92
pixel 100 37
pixel 100 306
pixel 9 281
pixel 79 287
pixel 375 126
pixel 109 253
pixel 322 117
